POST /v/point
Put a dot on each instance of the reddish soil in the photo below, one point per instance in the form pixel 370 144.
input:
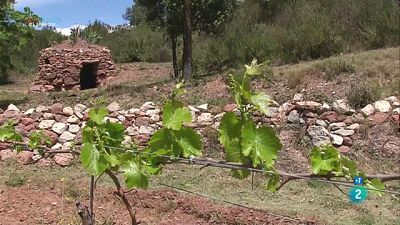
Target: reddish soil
pixel 153 207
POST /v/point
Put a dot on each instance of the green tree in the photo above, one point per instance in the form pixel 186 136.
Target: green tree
pixel 15 31
pixel 180 18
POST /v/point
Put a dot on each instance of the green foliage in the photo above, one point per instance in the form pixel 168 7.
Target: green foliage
pixel 243 140
pixel 15 31
pixel 16 180
pixel 326 160
pixel 8 133
pixel 363 93
pixel 138 44
pixel 174 139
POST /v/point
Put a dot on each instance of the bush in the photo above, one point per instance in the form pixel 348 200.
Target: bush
pixel 334 67
pixel 363 93
pixel 137 45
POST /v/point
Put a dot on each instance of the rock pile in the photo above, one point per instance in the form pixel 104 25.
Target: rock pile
pixel 60 66
pixel 337 123
pixel 325 124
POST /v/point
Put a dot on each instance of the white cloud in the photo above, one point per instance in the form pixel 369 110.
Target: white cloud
pixel 67 30
pixel 35 3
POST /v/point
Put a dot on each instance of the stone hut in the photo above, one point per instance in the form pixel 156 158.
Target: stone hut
pixel 70 66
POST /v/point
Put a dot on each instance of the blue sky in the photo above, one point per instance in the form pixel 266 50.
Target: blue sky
pixel 65 13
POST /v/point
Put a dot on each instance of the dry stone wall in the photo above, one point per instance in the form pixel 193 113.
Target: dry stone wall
pixel 325 123
pixel 59 67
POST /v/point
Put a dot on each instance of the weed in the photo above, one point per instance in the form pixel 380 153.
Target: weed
pixel 366 219
pixel 16 180
pixel 362 94
pixel 333 67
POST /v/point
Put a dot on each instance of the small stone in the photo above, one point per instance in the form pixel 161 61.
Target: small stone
pixel 298 97
pixel 319 135
pixel 63 159
pixel 142 121
pixel 343 132
pixel 146 130
pixel 48 116
pixel 57 146
pixel 155 118
pixel 392 99
pixel 354 126
pixel 336 126
pixel 79 108
pixel 127 140
pixel 342 105
pixel 203 107
pixel 378 118
pixel 193 109
pixel 325 107
pixel 309 105
pixel 73 119
pixel 66 137
pixel 27 121
pixel 134 111
pixel 152 112
pixel 42 109
pixel 52 136
pixel 79 115
pixel 321 123
pixel 147 105
pixel 12 107
pixel 230 107
pixel 29 111
pixel 344 149
pixel 272 112
pixel 25 157
pixel 368 110
pixel 347 141
pixel 205 119
pixel 113 107
pixel 336 139
pixel 73 128
pixel 68 111
pixel 46 124
pixel 382 106
pixel 7 154
pixel 59 128
pixel 132 131
pixel 121 118
pixel 56 108
pixel 293 117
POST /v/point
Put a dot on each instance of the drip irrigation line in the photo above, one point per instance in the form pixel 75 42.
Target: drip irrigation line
pixel 226 165
pixel 206 162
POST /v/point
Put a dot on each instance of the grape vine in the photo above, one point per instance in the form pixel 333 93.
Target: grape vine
pixel 250 145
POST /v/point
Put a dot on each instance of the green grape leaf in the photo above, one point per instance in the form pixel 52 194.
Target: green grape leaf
pixel 134 176
pixel 240 174
pixel 325 159
pixel 92 159
pixel 229 129
pixel 273 182
pixel 189 141
pixel 349 167
pixel 261 101
pixel 161 140
pixel 114 133
pixel 98 115
pixel 375 184
pixel 174 118
pixel 253 69
pixel 112 159
pixel 8 133
pixel 261 144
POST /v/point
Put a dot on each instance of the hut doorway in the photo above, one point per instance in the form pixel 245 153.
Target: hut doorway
pixel 88 75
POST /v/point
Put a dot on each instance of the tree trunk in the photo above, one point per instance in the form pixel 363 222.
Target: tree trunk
pixel 187 42
pixel 174 40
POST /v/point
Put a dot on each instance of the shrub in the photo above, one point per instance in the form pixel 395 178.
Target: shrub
pixel 363 93
pixel 139 44
pixel 334 67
